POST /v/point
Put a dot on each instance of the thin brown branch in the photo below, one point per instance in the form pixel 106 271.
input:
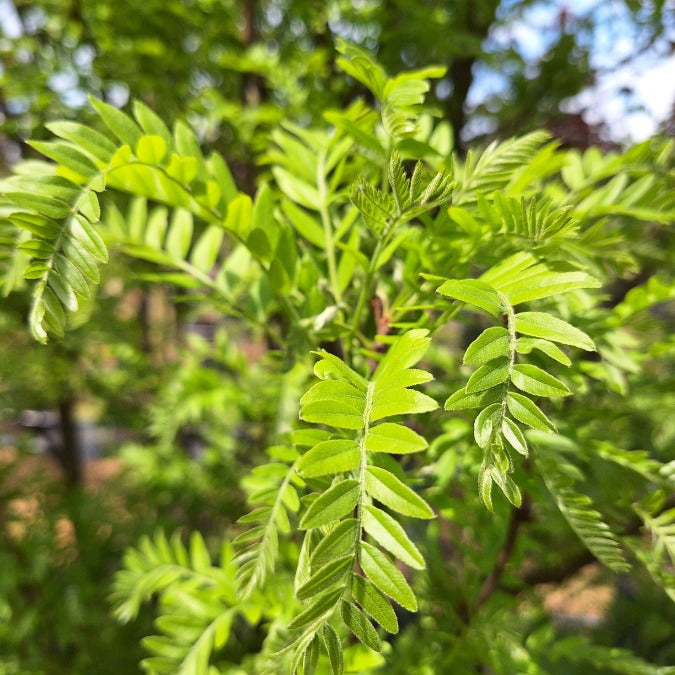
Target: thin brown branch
pixel 518 517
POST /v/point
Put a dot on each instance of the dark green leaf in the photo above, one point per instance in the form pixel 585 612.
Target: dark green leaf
pixel 374 603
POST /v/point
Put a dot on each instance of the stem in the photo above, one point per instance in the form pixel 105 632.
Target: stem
pixel 327 226
pixel 511 326
pixel 363 295
pixel 363 465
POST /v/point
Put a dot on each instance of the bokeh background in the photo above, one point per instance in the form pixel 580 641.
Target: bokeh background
pixel 119 429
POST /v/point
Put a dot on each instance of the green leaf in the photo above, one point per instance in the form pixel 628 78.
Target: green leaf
pixel 223 177
pixel 332 505
pixel 89 207
pixel 182 169
pixel 151 123
pixel 206 249
pixel 359 625
pixel 120 124
pixel 474 292
pixel 374 603
pixel 88 238
pixel 37 248
pixel 239 216
pixel 460 400
pixel 406 350
pixel 35 270
pixel 82 259
pixel 310 659
pixel 386 576
pixel 525 345
pixel 93 142
pixel 508 486
pixel 537 382
pixel 199 555
pixel 512 433
pixel 527 412
pixel 179 237
pixel 340 540
pixel 330 366
pixel 67 156
pixel 295 189
pixel 538 324
pixel 333 648
pixel 320 606
pixel 391 536
pixel 547 284
pixel 488 376
pixel 485 424
pixel 36 224
pixel 490 344
pixel 63 291
pixel 325 577
pixel 47 206
pixel 306 226
pixel 396 401
pixel 151 149
pixel 394 439
pixel 330 457
pixel 186 142
pixel 334 402
pixel 386 488
pixel 586 521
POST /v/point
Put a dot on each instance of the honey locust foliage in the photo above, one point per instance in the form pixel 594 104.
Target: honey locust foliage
pixel 367 244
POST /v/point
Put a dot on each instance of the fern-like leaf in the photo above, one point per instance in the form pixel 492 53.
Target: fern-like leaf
pixel 494 168
pixel 272 490
pixel 343 511
pixel 534 219
pixel 196 600
pixel 659 559
pixel 400 97
pixel 497 428
pixel 578 510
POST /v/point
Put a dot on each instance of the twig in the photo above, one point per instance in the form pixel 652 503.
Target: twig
pixel 491 584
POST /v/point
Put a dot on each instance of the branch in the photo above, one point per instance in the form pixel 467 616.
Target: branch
pixel 491 584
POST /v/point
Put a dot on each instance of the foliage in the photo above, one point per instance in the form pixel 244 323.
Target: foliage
pixel 368 248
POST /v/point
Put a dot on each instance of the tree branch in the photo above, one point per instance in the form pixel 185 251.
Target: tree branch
pixel 491 584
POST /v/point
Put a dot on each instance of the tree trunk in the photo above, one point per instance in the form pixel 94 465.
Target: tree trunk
pixel 251 85
pixel 462 78
pixel 70 455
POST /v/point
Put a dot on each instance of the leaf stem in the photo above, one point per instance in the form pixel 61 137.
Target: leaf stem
pixel 327 226
pixel 363 295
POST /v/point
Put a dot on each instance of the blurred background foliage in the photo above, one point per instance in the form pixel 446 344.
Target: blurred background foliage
pixel 153 415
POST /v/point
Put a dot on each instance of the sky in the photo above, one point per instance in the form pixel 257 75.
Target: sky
pixel 650 76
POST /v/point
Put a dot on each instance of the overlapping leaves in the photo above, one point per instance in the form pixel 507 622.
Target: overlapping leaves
pixel 408 198
pixel 400 97
pixel 59 204
pixel 274 495
pixel 501 386
pixel 348 520
pixel 196 600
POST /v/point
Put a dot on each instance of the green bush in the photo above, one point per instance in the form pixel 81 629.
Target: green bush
pixel 469 357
